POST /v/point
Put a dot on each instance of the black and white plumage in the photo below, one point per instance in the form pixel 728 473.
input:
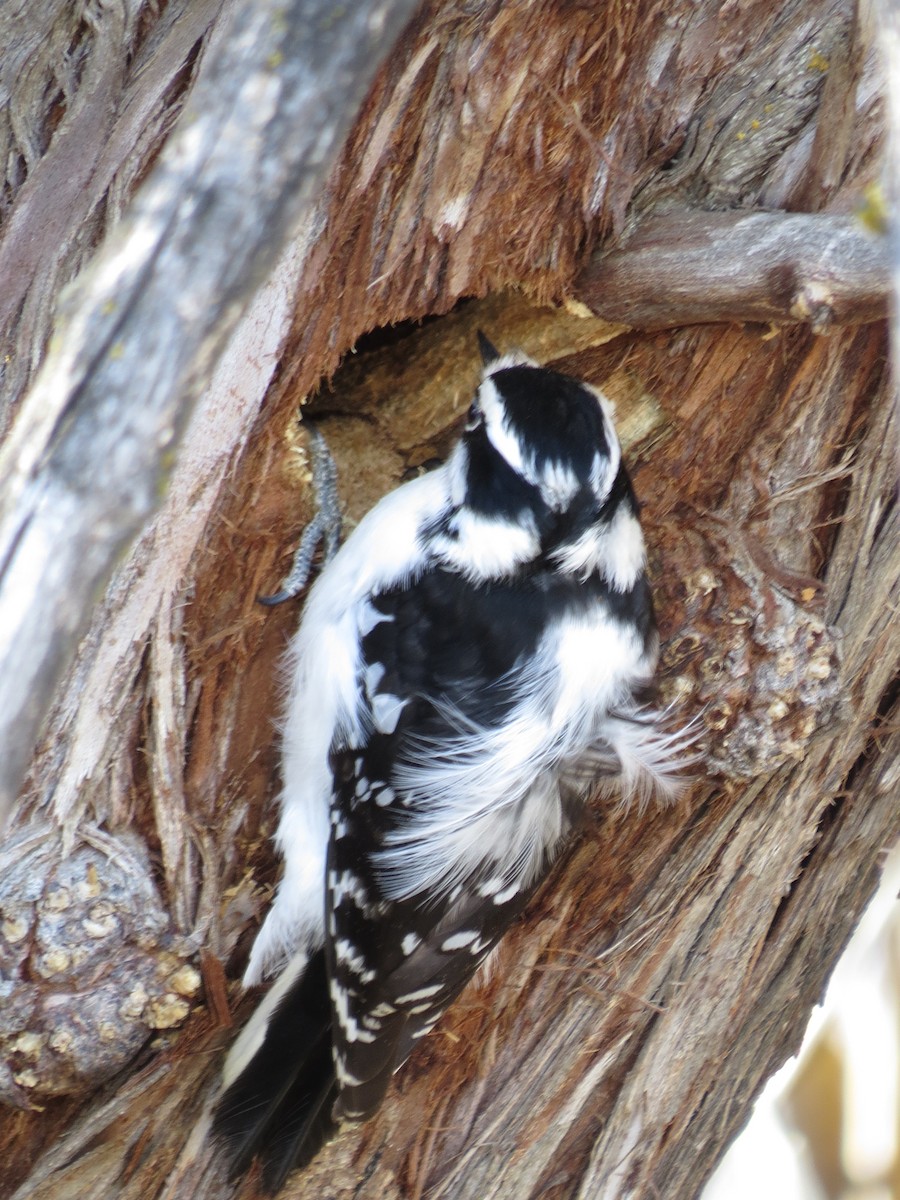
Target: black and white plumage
pixel 469 665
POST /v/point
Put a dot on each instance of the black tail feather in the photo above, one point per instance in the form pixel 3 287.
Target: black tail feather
pixel 278 1107
pixel 305 1123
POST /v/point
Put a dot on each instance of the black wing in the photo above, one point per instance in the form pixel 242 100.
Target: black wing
pixel 443 646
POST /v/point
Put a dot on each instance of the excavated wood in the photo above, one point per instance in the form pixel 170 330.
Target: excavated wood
pixel 431 376
pixel 670 963
pixel 686 268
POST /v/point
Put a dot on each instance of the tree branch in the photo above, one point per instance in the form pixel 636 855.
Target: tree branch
pixel 684 268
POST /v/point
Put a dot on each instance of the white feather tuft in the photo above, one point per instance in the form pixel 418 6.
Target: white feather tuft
pixel 481 548
pixel 616 550
pixel 655 761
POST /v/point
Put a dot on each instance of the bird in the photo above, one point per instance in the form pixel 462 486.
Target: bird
pixel 471 667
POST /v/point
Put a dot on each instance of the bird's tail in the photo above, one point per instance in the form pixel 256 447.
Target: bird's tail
pixel 279 1085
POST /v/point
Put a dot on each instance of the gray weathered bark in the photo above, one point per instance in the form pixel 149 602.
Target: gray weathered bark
pixel 85 465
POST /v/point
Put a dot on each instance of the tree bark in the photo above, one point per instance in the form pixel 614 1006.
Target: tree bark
pixel 180 271
pixel 689 268
pixel 669 965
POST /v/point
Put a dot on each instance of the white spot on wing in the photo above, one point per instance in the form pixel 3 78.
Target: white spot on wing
pixel 386 710
pixel 351 1029
pixel 347 886
pixel 421 994
pixel 427 1027
pixel 345 1078
pixel 459 941
pixel 507 894
pixel 490 887
pixel 409 943
pixel 368 616
pixel 349 957
pixel 374 676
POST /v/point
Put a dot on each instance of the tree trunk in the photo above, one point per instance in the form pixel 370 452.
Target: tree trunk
pixel 669 965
